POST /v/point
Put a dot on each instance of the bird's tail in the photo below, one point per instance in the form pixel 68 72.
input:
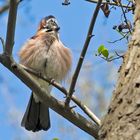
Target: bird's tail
pixel 36 116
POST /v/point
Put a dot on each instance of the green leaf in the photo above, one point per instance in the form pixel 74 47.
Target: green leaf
pixel 101 47
pixel 105 52
pixel 55 139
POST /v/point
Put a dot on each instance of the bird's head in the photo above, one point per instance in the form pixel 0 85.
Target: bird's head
pixel 49 24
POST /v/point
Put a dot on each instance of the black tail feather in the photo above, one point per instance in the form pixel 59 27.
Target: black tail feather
pixel 36 116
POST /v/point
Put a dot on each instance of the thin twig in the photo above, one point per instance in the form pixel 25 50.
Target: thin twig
pixel 125 18
pixel 122 56
pixel 4 8
pixel 51 81
pixel 11 27
pixel 109 60
pixel 59 107
pixel 48 80
pixel 128 5
pixel 119 39
pixel 110 3
pixel 83 53
pixel 7 60
pixel 2 42
pixel 112 59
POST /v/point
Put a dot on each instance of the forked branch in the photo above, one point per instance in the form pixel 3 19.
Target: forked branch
pixel 83 53
pixel 59 107
pixel 7 60
pixel 51 81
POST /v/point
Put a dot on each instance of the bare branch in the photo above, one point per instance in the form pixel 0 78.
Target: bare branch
pixel 57 106
pixel 125 36
pixel 2 42
pixel 11 27
pixel 4 8
pixel 83 53
pixel 112 59
pixel 126 21
pixel 51 81
pixel 48 80
pixel 110 3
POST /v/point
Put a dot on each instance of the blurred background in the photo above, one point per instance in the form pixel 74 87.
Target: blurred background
pixel 97 77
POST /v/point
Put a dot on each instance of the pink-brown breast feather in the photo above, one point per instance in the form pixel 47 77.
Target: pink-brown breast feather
pixel 59 57
pixel 33 47
pixel 26 53
pixel 66 58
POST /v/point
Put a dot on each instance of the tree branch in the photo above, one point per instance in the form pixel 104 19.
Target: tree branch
pixel 83 53
pixel 2 43
pixel 54 104
pixel 51 81
pixel 11 27
pixel 110 3
pixel 125 18
pixel 59 107
pixel 4 8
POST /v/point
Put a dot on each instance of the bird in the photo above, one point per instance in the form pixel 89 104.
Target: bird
pixel 45 53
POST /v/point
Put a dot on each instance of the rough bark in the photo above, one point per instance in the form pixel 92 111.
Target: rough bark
pixel 122 121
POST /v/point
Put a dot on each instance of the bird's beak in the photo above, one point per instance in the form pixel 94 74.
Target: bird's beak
pixel 57 29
